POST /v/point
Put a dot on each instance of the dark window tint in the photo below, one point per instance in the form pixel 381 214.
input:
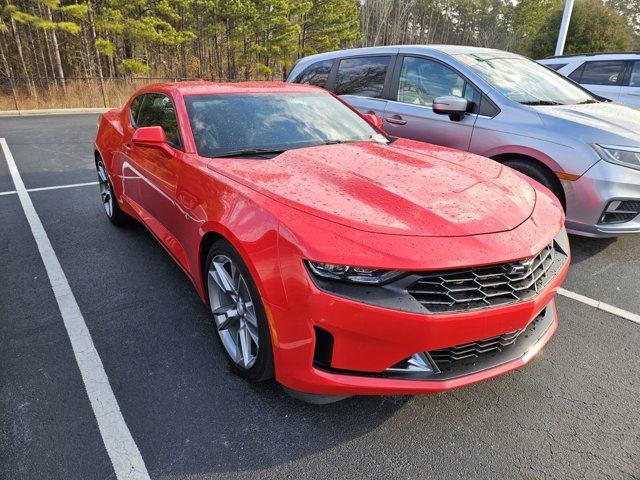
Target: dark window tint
pixel 603 73
pixel 135 108
pixel 555 66
pixel 634 79
pixel 157 110
pixel 362 76
pixel 316 74
pixel 577 73
pixel 422 80
pixel 487 107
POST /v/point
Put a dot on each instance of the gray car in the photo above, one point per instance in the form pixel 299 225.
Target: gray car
pixel 503 106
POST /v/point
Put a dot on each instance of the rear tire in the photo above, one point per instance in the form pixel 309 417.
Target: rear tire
pixel 239 316
pixel 540 174
pixel 108 196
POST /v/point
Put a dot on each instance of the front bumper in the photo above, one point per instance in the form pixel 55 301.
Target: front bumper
pixel 588 197
pixel 369 339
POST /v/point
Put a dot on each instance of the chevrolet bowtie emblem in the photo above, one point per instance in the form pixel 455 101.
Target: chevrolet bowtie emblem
pixel 520 268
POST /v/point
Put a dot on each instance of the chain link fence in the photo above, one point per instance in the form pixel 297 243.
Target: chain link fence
pixel 30 93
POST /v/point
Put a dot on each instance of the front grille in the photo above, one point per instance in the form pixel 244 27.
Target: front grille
pixel 446 357
pixel 491 286
pixel 456 357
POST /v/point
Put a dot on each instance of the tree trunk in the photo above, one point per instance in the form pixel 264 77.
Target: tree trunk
pixel 92 32
pixel 9 74
pixel 56 52
pixel 16 39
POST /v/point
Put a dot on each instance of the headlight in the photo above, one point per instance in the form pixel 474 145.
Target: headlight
pixel 625 156
pixel 344 273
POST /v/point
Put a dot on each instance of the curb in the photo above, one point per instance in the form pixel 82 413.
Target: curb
pixel 53 111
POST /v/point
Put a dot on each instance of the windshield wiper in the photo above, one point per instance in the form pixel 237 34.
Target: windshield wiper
pixel 541 102
pixel 250 151
pixel 587 102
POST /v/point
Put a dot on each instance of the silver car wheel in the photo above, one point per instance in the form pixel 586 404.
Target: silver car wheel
pixel 105 189
pixel 233 310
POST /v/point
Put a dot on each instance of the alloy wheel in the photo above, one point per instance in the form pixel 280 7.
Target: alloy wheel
pixel 233 310
pixel 105 189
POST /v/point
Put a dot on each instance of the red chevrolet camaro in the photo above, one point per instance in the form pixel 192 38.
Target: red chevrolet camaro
pixel 338 259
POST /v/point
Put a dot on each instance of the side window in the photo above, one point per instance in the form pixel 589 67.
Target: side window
pixel 362 76
pixel 316 73
pixel 422 80
pixel 603 73
pixel 555 66
pixel 577 73
pixel 157 110
pixel 134 108
pixel 634 79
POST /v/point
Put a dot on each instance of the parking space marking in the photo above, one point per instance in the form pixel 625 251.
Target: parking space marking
pixel 121 448
pixel 55 187
pixel 605 307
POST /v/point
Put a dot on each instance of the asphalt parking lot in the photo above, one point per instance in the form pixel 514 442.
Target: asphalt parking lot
pixel 574 412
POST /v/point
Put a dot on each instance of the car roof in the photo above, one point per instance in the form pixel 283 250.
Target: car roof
pixel 201 87
pixel 446 49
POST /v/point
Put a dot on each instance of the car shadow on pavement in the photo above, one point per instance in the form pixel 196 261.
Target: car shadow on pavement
pixel 583 248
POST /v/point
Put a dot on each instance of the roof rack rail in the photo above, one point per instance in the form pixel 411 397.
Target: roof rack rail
pixel 592 54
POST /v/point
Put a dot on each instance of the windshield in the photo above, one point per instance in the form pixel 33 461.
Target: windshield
pixel 230 124
pixel 524 81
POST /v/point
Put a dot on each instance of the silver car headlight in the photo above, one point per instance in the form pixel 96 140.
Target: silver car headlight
pixel 620 155
pixel 345 273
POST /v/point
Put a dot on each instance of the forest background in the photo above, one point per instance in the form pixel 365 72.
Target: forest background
pixel 58 53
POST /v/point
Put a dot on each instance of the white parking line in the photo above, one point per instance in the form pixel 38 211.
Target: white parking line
pixel 605 307
pixel 121 448
pixel 55 187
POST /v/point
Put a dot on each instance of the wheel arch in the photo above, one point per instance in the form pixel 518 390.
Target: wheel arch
pixel 543 166
pixel 212 234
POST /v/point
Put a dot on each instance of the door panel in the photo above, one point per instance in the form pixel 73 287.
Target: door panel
pixel 419 81
pixel 630 93
pixel 367 105
pixel 606 91
pixel 150 177
pixel 422 124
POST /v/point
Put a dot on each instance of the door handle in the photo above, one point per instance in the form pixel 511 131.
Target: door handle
pixel 127 147
pixel 396 120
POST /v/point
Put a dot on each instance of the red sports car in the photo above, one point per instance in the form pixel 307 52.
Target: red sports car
pixel 338 259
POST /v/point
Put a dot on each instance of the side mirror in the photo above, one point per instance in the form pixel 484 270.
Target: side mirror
pixel 374 119
pixel 451 105
pixel 152 137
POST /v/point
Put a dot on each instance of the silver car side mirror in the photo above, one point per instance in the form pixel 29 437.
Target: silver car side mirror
pixel 451 105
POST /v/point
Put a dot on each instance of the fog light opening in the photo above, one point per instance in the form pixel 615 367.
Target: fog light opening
pixel 620 211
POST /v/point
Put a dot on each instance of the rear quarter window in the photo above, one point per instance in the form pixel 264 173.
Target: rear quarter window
pixel 362 76
pixel 134 109
pixel 555 66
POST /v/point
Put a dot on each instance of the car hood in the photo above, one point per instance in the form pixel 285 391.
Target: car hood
pixel 405 188
pixel 595 123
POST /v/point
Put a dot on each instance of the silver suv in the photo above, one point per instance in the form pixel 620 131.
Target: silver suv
pixel 503 106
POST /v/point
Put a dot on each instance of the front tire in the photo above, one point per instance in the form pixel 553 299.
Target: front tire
pixel 541 175
pixel 238 312
pixel 108 197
